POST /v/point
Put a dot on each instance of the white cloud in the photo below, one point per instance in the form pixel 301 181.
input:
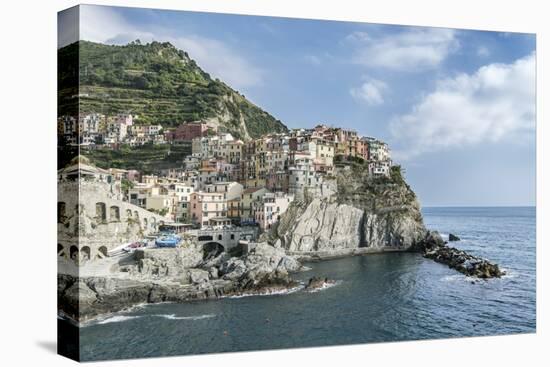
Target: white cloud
pixel 415 49
pixel 496 102
pixel 483 51
pixel 105 25
pixel 370 92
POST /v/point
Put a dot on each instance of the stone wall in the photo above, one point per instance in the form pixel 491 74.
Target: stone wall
pixel 92 220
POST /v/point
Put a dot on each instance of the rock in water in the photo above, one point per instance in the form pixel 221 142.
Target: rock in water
pixel 463 262
pixel 316 283
pixel 453 237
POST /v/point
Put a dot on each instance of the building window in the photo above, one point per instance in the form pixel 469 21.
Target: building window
pixel 100 212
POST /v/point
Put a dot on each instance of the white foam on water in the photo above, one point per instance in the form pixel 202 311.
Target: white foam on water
pixel 118 318
pixel 325 286
pixel 269 293
pixel 174 317
pixel 509 274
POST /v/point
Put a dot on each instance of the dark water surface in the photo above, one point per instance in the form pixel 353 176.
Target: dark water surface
pixel 387 297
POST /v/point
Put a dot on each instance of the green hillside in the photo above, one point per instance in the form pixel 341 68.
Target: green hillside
pixel 163 85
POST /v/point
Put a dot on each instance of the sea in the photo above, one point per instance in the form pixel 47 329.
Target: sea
pixel 376 298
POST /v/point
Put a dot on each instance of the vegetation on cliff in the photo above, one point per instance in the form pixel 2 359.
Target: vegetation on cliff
pixel 147 159
pixel 357 187
pixel 160 84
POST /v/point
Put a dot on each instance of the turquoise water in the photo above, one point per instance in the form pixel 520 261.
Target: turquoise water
pixel 377 298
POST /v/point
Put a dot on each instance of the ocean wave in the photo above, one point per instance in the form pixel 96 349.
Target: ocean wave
pixel 460 278
pixel 174 317
pixel 268 293
pixel 117 318
pixel 508 274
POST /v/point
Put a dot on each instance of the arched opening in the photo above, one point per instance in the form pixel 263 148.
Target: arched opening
pixel 114 213
pixel 61 211
pixel 60 250
pixel 219 237
pixel 128 214
pixel 153 223
pixel 102 252
pixel 136 214
pixel 211 250
pixel 145 223
pixel 100 213
pixel 85 253
pixel 73 253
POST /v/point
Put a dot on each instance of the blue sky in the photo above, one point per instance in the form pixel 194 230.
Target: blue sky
pixel 456 106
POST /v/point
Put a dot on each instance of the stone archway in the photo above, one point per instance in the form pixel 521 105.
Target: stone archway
pixel 102 252
pixel 85 253
pixel 211 250
pixel 61 251
pixel 73 253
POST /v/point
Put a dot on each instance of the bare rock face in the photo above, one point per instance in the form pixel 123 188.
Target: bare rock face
pixel 263 259
pixel 393 228
pixel 161 262
pixel 323 226
pixel 364 214
pixel 329 227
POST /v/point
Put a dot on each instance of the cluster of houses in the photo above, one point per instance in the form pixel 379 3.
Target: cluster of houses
pixel 98 129
pixel 228 181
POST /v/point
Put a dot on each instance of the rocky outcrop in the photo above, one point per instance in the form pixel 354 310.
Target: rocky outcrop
pixel 433 247
pixel 318 283
pixel 325 226
pixel 453 237
pixel 176 275
pixel 368 215
pixel 364 215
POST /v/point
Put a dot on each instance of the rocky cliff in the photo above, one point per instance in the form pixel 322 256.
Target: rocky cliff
pixel 174 275
pixel 365 214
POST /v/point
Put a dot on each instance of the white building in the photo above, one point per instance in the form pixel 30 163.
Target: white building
pixel 270 208
pixel 303 178
pixel 379 168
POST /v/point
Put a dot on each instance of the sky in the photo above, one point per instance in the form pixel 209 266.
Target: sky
pixel 457 107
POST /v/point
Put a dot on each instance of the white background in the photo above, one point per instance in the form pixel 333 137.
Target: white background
pixel 28 195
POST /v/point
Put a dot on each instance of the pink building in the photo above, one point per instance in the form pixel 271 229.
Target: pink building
pixel 188 131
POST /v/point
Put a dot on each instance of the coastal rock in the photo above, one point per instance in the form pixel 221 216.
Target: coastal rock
pixel 432 240
pixel 265 268
pixel 198 276
pixel 463 262
pixel 362 212
pixel 329 228
pixel 453 237
pixel 321 226
pixel 80 294
pixel 317 283
pixel 233 269
pixel 272 258
pixel 167 262
pixel 213 273
pixel 396 228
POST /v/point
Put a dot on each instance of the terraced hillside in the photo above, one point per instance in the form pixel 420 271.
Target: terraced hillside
pixel 147 158
pixel 163 85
